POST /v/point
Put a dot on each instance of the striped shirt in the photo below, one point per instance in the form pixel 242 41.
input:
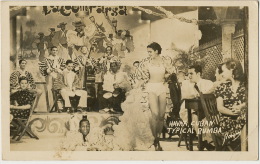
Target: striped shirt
pixel 14 79
pixel 82 60
pixel 51 62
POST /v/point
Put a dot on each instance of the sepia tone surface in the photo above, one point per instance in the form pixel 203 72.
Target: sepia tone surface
pixel 221 32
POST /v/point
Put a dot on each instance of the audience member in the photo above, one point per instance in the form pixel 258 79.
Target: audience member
pixel 190 88
pixel 231 100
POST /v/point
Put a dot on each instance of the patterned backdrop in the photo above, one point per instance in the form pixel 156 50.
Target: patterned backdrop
pixel 211 54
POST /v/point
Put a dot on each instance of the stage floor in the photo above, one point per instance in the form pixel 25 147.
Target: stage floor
pixel 51 143
pixel 52 127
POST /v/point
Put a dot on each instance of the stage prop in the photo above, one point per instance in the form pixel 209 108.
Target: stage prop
pixel 57 124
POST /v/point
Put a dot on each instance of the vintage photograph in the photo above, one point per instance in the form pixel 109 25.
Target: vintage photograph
pixel 87 78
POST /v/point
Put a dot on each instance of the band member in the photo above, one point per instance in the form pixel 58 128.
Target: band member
pixel 82 63
pixel 115 85
pixel 21 71
pixel 50 67
pixel 102 65
pixel 71 87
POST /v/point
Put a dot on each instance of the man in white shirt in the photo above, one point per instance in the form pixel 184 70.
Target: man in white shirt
pixel 189 90
pixel 115 85
pixel 72 87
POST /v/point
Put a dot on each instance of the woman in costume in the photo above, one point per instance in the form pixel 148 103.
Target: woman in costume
pixel 153 72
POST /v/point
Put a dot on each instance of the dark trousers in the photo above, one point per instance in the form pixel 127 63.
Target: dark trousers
pixel 112 102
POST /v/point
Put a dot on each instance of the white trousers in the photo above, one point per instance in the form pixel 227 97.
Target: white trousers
pixel 66 93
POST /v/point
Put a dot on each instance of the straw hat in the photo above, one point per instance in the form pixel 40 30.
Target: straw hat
pixel 51 29
pixel 78 24
pixel 62 23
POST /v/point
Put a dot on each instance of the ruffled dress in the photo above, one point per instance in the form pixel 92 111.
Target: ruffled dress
pixel 134 132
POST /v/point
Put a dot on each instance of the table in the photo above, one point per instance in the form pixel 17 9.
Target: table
pixel 196 105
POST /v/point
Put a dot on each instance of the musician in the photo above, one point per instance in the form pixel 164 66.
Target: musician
pixel 115 85
pixel 50 67
pixel 82 63
pixel 71 87
pixel 21 71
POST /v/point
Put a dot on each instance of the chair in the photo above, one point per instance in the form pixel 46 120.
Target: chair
pixel 209 106
pixel 23 124
pixel 56 97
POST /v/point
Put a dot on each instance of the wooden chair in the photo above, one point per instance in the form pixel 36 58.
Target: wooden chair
pixel 56 97
pixel 23 124
pixel 209 106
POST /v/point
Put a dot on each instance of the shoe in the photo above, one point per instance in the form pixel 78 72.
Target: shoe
pixel 79 109
pixel 210 147
pixel 207 145
pixel 112 111
pixel 69 110
pixel 105 110
pixel 157 145
pixel 85 109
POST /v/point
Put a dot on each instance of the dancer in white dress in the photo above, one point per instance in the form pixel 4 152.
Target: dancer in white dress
pixel 133 132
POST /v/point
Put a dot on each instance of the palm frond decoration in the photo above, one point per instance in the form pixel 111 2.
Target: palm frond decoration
pixel 184 59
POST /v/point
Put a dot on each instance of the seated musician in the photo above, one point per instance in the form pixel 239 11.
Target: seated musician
pixel 69 85
pixel 101 66
pixel 21 101
pixel 115 85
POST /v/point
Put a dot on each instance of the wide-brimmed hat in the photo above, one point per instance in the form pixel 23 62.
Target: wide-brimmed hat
pixel 78 24
pixel 51 29
pixel 40 33
pixel 62 23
